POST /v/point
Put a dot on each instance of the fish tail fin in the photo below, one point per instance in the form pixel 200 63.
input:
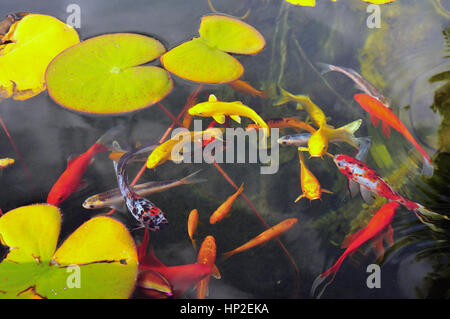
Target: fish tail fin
pixel 346 133
pixel 269 92
pixel 430 218
pixel 428 167
pixel 323 277
pixel 324 67
pixel 107 139
pixel 193 179
pixel 240 189
pixel 227 255
pixel 285 97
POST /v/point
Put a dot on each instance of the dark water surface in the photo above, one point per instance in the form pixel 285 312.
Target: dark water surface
pixel 399 59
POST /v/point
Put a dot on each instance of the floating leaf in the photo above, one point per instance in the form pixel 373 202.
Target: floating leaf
pixel 203 59
pixel 32 43
pixel 231 35
pixel 104 74
pixel 101 250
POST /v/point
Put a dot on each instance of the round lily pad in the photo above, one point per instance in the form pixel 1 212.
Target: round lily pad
pixel 98 260
pixel 196 61
pixel 231 35
pixel 31 44
pixel 104 75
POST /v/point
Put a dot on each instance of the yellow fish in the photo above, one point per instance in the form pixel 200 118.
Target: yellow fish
pixel 5 162
pixel 163 152
pixel 218 110
pixel 310 185
pixel 318 143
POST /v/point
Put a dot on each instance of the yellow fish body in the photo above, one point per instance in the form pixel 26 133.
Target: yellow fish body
pixel 163 152
pixel 219 109
pixel 309 183
pixel 318 143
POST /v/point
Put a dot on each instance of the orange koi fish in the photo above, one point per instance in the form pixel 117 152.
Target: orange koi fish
pixel 309 183
pixel 192 226
pixel 206 256
pixel 378 224
pixel 265 236
pixel 378 111
pixel 224 209
pixel 70 180
pixel 245 87
pixel 282 123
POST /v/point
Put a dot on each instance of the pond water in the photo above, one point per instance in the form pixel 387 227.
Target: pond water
pixel 399 58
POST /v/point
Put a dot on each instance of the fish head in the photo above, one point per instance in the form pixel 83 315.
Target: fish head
pixel 312 190
pixel 345 164
pixel 202 109
pixel 317 145
pixel 92 203
pixel 57 195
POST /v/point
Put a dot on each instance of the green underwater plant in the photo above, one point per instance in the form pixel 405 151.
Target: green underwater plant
pixel 101 250
pixel 105 75
pixel 205 58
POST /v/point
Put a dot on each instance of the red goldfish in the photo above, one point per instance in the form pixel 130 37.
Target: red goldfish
pixel 378 111
pixel 379 223
pixel 70 180
pixel 175 279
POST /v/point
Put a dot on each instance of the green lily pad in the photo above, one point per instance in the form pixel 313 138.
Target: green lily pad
pixel 204 59
pixel 231 35
pixel 101 253
pixel 196 61
pixel 104 75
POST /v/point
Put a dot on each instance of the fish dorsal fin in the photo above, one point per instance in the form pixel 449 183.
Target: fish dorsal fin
pixel 219 118
pixel 386 129
pixel 236 118
pixel 212 98
pixel 71 158
pixel 374 120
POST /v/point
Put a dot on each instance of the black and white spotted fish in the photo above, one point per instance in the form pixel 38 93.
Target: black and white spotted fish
pixel 145 212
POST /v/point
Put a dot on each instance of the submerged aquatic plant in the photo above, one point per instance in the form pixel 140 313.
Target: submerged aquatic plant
pixel 101 252
pixel 205 58
pixel 105 75
pixel 27 49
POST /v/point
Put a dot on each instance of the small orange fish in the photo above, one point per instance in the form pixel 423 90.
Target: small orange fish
pixel 265 236
pixel 70 180
pixel 310 185
pixel 225 208
pixel 245 87
pixel 206 256
pixel 192 226
pixel 284 122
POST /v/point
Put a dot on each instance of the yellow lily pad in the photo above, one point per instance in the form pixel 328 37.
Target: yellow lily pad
pixel 32 43
pixel 98 260
pixel 204 59
pixel 231 35
pixel 196 61
pixel 105 75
